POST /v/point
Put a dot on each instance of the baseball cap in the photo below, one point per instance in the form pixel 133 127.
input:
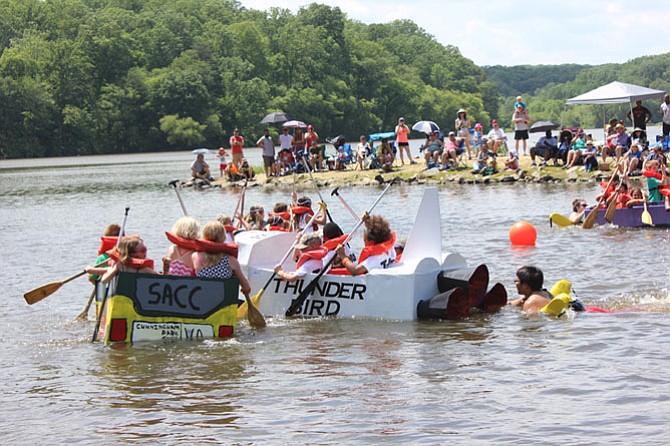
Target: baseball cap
pixel 495 121
pixel 310 239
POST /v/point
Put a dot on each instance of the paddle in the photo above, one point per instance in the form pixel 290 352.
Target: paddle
pixel 646 216
pixel 37 294
pixel 239 200
pixel 83 316
pixel 104 299
pixel 590 219
pixel 344 203
pixel 297 302
pixel 255 300
pixel 611 208
pixel 175 185
pixel 316 187
pixel 254 316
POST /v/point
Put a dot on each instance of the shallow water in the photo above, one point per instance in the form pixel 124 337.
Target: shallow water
pixel 502 378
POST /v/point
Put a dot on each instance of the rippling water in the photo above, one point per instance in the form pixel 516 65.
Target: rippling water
pixel 502 378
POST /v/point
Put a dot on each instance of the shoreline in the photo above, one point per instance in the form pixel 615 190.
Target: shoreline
pixel 418 174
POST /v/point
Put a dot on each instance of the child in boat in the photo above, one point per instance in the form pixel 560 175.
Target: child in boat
pixel 379 249
pixel 178 261
pixel 227 223
pixel 332 238
pixel 276 223
pixel 218 265
pixel 107 242
pixel 636 197
pixel 657 184
pixel 529 282
pixel 310 256
pixel 303 212
pixel 255 218
pixel 132 257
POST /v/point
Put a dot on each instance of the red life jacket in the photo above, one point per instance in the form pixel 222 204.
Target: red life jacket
pixel 652 174
pixel 377 249
pixel 278 228
pixel 134 262
pixel 286 215
pixel 230 228
pixel 107 243
pixel 181 241
pixel 217 247
pixel 622 200
pixel 314 254
pixel 333 242
pixel 299 210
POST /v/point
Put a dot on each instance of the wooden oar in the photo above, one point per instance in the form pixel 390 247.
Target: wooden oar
pixel 646 216
pixel 254 315
pixel 175 185
pixel 44 291
pixel 590 219
pixel 297 302
pixel 255 300
pixel 239 200
pixel 83 316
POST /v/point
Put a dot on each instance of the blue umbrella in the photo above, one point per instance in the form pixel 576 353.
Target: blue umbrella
pixel 426 127
pixel 202 151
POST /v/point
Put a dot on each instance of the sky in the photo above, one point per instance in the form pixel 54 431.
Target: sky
pixel 521 32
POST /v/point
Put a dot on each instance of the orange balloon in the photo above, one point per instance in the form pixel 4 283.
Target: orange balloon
pixel 522 233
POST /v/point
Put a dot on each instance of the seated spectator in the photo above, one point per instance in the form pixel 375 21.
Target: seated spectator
pixel 451 152
pixel 433 149
pixel 285 162
pixel 362 151
pixel 512 161
pixel 496 137
pixel 482 159
pixel 620 140
pixel 590 156
pixel 632 159
pixel 546 148
pixel 657 155
pixel 341 160
pixel 577 145
pixel 200 168
pixel 639 136
pixel 564 146
pixel 384 155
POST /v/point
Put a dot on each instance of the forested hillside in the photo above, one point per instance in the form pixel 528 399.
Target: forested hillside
pixel 105 76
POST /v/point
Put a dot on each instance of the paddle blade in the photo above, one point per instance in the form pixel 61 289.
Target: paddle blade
pixel 560 220
pixel 40 293
pixel 590 219
pixel 646 218
pixel 611 210
pixel 254 315
pixel 243 310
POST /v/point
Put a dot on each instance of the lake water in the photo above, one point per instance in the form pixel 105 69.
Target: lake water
pixel 496 379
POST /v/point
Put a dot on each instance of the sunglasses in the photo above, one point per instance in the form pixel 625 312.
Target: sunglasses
pixel 582 205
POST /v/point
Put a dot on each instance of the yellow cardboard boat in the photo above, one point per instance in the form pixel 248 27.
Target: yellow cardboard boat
pixel 152 307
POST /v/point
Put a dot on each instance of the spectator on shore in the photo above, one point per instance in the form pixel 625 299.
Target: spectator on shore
pixel 521 120
pixel 402 138
pixel 546 148
pixel 462 125
pixel 200 168
pixel 496 137
pixel 268 146
pixel 665 112
pixel 641 116
pixel 236 146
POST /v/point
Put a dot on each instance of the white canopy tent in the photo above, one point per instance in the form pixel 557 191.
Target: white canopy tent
pixel 616 93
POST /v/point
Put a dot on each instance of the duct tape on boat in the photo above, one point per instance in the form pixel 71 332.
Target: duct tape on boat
pixel 164 331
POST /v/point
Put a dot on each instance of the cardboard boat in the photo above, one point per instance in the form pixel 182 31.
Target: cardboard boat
pixel 410 289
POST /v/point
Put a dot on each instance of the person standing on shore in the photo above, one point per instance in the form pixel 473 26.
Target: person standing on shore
pixel 462 125
pixel 665 110
pixel 521 120
pixel 268 147
pixel 236 146
pixel 402 138
pixel 641 116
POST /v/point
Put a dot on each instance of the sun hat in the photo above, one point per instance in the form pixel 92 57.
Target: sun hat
pixel 401 119
pixel 478 125
pixel 589 142
pixel 309 127
pixel 460 110
pixel 312 238
pixel 452 134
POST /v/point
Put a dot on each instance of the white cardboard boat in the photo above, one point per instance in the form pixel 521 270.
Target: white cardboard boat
pixel 393 293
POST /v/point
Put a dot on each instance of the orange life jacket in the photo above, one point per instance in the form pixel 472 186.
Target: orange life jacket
pixel 377 249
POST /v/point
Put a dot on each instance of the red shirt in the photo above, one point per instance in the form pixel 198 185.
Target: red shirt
pixel 236 144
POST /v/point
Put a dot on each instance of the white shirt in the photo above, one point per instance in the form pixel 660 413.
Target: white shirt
pixel 379 261
pixel 496 134
pixel 309 267
pixel 665 109
pixel 285 141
